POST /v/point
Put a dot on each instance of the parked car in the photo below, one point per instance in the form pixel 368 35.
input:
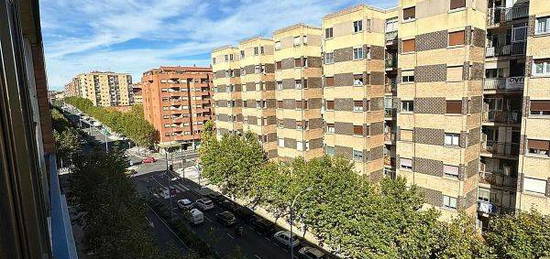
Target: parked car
pixel 229 205
pixel 245 213
pixel 215 196
pixel 283 237
pixel 185 204
pixel 226 218
pixel 262 225
pixel 148 160
pixel 204 204
pixel 308 252
pixel 164 193
pixel 194 216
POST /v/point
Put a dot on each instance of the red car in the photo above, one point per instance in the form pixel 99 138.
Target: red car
pixel 148 160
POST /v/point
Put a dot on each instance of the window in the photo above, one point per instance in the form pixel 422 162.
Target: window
pixel 242 54
pixel 450 171
pixel 329 58
pixel 454 107
pixel 538 147
pixel 543 25
pixel 279 65
pixel 457 38
pixel 304 84
pixel 304 40
pixel 329 33
pixel 279 85
pixel 280 124
pixel 330 150
pixel 449 202
pixel 358 53
pixel 357 26
pixel 297 41
pixel 226 57
pixel 258 86
pixel 455 4
pixel 214 61
pixel 330 128
pixel 277 45
pixel 298 62
pixel 407 76
pixel 540 107
pixel 231 57
pixel 305 62
pixel 452 139
pixel 256 51
pixel 262 50
pixel 405 163
pixel 454 73
pixel 534 185
pixel 409 45
pixel 358 80
pixel 407 106
pixel 406 135
pixel 358 106
pixel 281 142
pixel 358 130
pixel 306 145
pixel 541 67
pixel 279 104
pixel 330 105
pixel 409 13
pixel 358 155
pixel 519 32
pixel 329 81
pixel 300 145
pixel 298 84
pixel 302 125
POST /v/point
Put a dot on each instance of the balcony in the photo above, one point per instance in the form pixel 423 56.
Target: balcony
pixel 508 117
pixel 498 179
pixel 391 63
pixel 391 38
pixel 498 51
pixel 389 161
pixel 498 15
pixel 389 137
pixel 519 48
pixel 507 84
pixel 389 113
pixel 390 88
pixel 503 149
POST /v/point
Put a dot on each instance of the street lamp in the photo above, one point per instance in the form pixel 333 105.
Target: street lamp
pixel 292 218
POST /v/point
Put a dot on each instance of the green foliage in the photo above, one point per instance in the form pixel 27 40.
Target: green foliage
pixel 353 216
pixel 526 235
pixel 67 141
pixel 132 124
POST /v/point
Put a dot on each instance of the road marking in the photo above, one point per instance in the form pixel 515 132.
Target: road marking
pixel 257 256
pixel 168 227
pixel 179 188
pixel 230 235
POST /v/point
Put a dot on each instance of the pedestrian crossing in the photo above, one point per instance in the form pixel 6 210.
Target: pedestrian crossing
pixel 180 187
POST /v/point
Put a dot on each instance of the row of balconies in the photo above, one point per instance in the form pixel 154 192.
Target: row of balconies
pixel 509 83
pixel 516 48
pixel 500 15
pixel 510 117
pixel 497 179
pixel 500 148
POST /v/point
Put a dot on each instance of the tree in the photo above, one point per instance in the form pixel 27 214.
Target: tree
pixel 525 235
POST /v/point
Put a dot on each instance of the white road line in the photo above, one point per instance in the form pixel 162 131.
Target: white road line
pixel 230 235
pixel 168 227
pixel 179 188
pixel 184 187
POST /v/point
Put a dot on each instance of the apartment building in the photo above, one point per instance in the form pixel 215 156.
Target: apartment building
pixel 227 88
pixel 534 156
pixel 177 102
pixel 354 82
pixel 299 93
pixel 103 88
pixel 72 88
pixel 137 93
pixel 452 95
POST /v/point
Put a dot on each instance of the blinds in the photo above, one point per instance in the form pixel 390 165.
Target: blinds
pixel 454 107
pixel 454 73
pixel 457 4
pixel 534 185
pixel 409 45
pixel 405 162
pixel 457 38
pixel 409 13
pixel 540 105
pixel 329 81
pixel 538 144
pixel 357 130
pixel 330 105
pixel 407 73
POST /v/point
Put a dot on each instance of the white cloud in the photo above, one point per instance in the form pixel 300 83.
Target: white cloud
pixel 136 35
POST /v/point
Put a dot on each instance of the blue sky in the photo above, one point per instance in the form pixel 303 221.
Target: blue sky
pixel 133 36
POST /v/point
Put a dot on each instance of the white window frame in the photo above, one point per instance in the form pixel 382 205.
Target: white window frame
pixel 357 82
pixel 448 171
pixel 277 45
pixel 358 26
pixel 544 68
pixel 542 27
pixel 358 53
pixel 299 145
pixel 452 139
pixel 279 85
pixel 298 84
pixel 407 104
pixel 281 142
pixel 297 41
pixel 358 108
pixel 331 129
pixel 358 155
pixel 524 32
pixel 329 35
pixel 405 167
pixel 407 78
pixel 450 202
pixel 534 185
pixel 329 57
pixel 304 39
pixel 332 149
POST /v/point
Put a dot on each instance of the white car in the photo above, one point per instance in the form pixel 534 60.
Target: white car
pixel 308 252
pixel 283 237
pixel 204 204
pixel 185 204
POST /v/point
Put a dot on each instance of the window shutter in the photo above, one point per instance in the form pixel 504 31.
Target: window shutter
pixel 279 65
pixel 540 106
pixel 538 144
pixel 454 107
pixel 357 130
pixel 409 45
pixel 405 162
pixel 279 104
pixel 298 62
pixel 409 13
pixel 329 81
pixel 358 104
pixel 298 104
pixel 457 38
pixel 452 170
pixel 457 4
pixel 330 105
pixel 534 185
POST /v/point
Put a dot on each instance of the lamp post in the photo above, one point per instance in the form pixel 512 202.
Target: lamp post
pixel 292 219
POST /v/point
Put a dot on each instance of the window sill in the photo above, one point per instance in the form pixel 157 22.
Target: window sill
pixel 541 34
pixel 406 83
pixel 540 76
pixel 456 10
pixel 405 169
pixel 408 52
pixel 448 208
pixel 454 114
pixel 407 112
pixel 535 194
pixel 537 156
pixel 408 20
pixel 456 46
pixel 452 146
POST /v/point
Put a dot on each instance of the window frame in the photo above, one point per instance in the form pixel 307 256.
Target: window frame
pixel 358 108
pixel 329 33
pixel 357 26
pixel 454 139
pixel 357 51
pixel 449 203
pixel 546 25
pixel 329 58
pixel 358 155
pixel 409 104
pixel 405 167
pixel 331 128
pixel 451 175
pixel 413 40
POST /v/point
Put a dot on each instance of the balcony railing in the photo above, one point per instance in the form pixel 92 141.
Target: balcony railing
pixel 500 14
pixel 497 179
pixel 391 38
pixel 519 48
pixel 498 51
pixel 509 83
pixel 512 117
pixel 501 148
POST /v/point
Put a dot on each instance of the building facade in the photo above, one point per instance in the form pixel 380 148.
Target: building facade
pixel 103 88
pixel 177 102
pixel 137 93
pixel 453 95
pixel 299 92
